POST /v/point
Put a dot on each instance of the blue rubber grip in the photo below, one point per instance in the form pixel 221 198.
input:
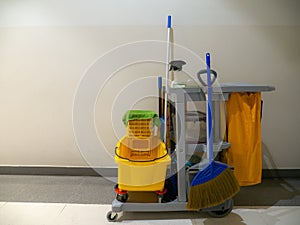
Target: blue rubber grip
pixel 209 121
pixel 169 21
pixel 159 82
pixel 208 59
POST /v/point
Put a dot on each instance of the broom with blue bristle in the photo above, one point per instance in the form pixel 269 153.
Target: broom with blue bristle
pixel 216 183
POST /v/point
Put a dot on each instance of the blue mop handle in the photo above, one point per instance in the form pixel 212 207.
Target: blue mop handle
pixel 209 127
pixel 169 21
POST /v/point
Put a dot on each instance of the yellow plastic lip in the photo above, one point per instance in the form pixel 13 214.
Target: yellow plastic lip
pixel 166 159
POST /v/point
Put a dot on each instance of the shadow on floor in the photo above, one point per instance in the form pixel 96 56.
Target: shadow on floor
pixel 270 192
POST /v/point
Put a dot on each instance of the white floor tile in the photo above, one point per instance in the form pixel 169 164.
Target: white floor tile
pixel 279 215
pixel 14 213
pixel 82 215
pixel 263 216
pixel 28 213
pixel 96 215
pixel 2 204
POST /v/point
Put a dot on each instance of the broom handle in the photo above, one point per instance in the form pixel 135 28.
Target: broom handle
pixel 167 80
pixel 209 128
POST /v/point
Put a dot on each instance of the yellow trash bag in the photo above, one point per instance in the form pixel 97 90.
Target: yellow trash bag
pixel 243 114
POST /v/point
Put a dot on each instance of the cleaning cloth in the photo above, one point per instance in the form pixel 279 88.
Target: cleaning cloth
pixel 139 115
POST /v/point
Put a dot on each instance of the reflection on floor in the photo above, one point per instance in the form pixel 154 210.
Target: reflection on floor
pixel 15 213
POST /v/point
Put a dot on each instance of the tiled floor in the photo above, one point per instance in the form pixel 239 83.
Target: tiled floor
pixel 15 213
pixel 75 200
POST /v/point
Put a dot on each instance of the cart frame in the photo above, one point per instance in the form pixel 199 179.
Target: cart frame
pixel 179 97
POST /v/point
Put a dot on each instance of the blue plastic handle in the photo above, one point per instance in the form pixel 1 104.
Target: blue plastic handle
pixel 159 82
pixel 207 59
pixel 169 21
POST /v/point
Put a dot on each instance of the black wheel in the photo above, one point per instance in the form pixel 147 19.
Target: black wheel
pixel 116 186
pixel 111 217
pixel 223 212
pixel 122 197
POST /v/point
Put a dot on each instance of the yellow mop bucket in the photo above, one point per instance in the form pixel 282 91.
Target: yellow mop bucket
pixel 143 169
pixel 141 156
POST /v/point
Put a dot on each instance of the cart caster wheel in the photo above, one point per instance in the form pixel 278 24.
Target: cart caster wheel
pixel 222 213
pixel 122 197
pixel 111 216
pixel 160 195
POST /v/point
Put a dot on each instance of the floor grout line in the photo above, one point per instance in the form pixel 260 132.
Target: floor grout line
pixel 62 209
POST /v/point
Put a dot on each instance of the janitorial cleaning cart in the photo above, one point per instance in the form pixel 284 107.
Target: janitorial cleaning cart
pixel 147 165
pixel 134 177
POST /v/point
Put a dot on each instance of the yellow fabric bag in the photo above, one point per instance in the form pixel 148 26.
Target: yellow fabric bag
pixel 243 112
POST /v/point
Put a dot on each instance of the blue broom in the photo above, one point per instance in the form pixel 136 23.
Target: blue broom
pixel 216 183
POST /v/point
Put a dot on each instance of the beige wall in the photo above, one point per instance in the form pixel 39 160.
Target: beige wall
pixel 46 48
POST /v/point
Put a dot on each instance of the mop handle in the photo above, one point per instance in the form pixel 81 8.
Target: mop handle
pixel 167 79
pixel 169 21
pixel 209 127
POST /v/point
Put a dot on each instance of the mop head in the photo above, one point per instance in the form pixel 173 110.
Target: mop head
pixel 212 186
